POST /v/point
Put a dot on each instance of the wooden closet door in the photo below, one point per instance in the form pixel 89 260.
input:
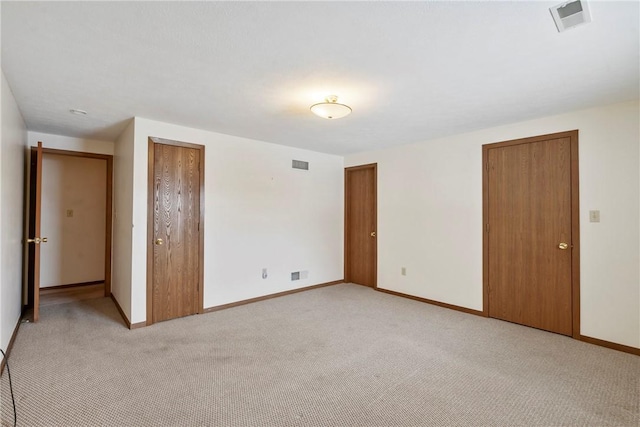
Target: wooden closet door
pixel 361 225
pixel 530 234
pixel 176 240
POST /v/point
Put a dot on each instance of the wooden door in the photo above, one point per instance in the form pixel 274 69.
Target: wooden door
pixel 176 246
pixel 531 231
pixel 34 239
pixel 361 225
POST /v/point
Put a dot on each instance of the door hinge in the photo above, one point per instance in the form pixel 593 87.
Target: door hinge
pixel 486 227
pixel 486 166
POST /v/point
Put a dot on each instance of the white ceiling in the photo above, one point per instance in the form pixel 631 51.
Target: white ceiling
pixel 411 71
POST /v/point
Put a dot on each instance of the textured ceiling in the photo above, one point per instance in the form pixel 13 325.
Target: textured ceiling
pixel 411 71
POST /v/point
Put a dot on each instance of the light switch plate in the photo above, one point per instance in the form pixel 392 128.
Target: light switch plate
pixel 594 216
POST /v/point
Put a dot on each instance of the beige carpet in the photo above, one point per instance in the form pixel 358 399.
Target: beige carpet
pixel 338 356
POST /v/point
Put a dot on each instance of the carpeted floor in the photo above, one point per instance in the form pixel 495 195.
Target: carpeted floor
pixel 343 355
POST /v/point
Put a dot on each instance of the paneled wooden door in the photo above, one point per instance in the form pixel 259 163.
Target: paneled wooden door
pixel 176 245
pixel 361 225
pixel 531 232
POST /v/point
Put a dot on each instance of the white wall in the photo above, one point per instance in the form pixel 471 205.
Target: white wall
pixel 12 158
pixel 123 219
pixel 259 213
pixel 74 252
pixel 69 143
pixel 430 216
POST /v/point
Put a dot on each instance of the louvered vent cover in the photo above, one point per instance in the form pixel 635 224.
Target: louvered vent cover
pixel 300 164
pixel 570 14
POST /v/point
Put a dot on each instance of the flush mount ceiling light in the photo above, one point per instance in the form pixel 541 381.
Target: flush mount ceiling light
pixel 330 109
pixel 78 112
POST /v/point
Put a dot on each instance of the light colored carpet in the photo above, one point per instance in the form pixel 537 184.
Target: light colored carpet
pixel 343 355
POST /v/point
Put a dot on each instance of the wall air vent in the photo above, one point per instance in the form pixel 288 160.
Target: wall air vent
pixel 299 164
pixel 570 14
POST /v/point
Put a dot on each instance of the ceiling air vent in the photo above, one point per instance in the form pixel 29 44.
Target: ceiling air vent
pixel 299 164
pixel 570 14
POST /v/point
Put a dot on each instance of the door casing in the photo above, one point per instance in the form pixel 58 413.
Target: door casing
pixel 150 221
pixel 575 220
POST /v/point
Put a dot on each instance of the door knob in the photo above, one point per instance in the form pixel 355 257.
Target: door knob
pixel 44 240
pixel 159 241
pixel 563 246
pixel 373 234
pixel 35 240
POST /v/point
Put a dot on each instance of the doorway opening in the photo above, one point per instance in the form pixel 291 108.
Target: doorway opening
pixel 69 227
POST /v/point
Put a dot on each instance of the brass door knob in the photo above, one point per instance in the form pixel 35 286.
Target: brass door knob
pixel 44 240
pixel 373 234
pixel 563 246
pixel 159 241
pixel 35 240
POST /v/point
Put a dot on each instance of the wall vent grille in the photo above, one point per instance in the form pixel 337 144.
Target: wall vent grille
pixel 570 14
pixel 300 164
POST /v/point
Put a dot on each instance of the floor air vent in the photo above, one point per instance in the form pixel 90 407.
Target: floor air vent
pixel 299 164
pixel 570 14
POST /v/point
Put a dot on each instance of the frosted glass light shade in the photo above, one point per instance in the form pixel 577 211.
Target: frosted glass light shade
pixel 331 109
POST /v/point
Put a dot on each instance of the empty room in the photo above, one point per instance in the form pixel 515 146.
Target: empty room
pixel 318 213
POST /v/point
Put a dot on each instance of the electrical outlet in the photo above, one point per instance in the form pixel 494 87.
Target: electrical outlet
pixel 264 273
pixel 403 271
pixel 594 216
